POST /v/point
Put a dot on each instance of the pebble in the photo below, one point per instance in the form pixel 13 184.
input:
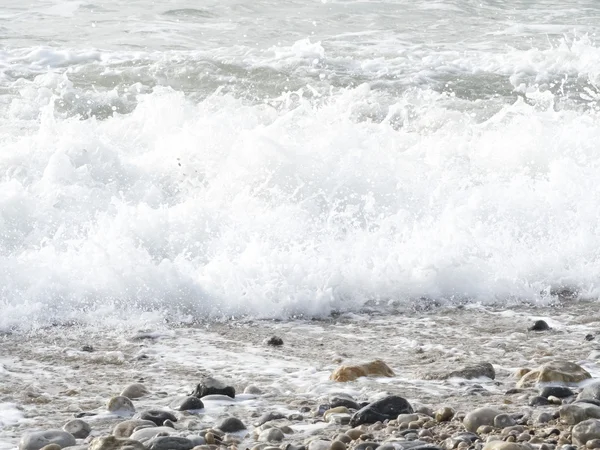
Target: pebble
pixel 539 325
pixel 578 412
pixel 134 391
pixel 480 370
pixel 35 440
pixel 210 438
pixel 501 445
pixel 212 386
pixel 485 429
pixel 478 417
pixel 230 425
pixel 158 416
pixel 186 404
pixel 586 431
pixel 343 400
pixel 319 444
pixel 343 438
pixel 78 428
pixel 169 443
pixel 444 414
pixel 268 417
pixel 387 408
pixel 120 405
pixel 145 434
pixel 354 433
pixel 127 427
pixel 52 447
pixel 590 392
pixel 337 445
pixel 253 390
pixel 336 410
pixel 271 435
pixel 274 341
pixel 593 443
pixel 114 443
pixel 503 421
pixel 538 400
pixel 542 418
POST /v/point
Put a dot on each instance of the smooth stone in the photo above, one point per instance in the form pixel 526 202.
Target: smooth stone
pixel 336 410
pixel 343 438
pixel 406 418
pixel 486 429
pixel 157 416
pixel 186 404
pixel 230 425
pixel 444 414
pixel 543 417
pixel 594 443
pixel 376 368
pixel 354 433
pixel 503 421
pixel 590 392
pixel 114 443
pixel 387 408
pixel 554 372
pixel 341 418
pixel 319 444
pixel 556 391
pixel 211 386
pixel 35 440
pixel 578 412
pixel 126 428
pixel 78 428
pixel 502 445
pixel 365 445
pixel 210 438
pixel 120 405
pixel 267 417
pixel 273 341
pixel 169 443
pixel 539 325
pixel 253 390
pixel 145 434
pixel 134 391
pixel 53 447
pixel 337 445
pixel 538 400
pixel 585 431
pixel 347 401
pixel 271 435
pixel 480 370
pixel 479 417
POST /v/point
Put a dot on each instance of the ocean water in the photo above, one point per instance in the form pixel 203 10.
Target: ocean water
pixel 162 160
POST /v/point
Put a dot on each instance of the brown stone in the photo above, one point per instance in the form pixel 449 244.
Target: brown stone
pixel 376 368
pixel 556 372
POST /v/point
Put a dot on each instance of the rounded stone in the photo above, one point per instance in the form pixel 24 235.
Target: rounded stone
pixel 78 428
pixel 145 434
pixel 169 443
pixel 539 325
pixel 354 433
pixel 120 405
pixel 253 390
pixel 543 417
pixel 594 443
pixel 35 440
pixel 554 372
pixel 114 443
pixel 210 438
pixel 271 435
pixel 337 445
pixel 503 420
pixel 444 414
pixel 127 427
pixel 158 416
pixel 230 425
pixel 479 417
pixel 186 404
pixel 274 341
pixel 51 447
pixel 556 391
pixel 134 391
pixel 586 431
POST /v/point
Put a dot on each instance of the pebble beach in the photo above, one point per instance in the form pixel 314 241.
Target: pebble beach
pixel 469 378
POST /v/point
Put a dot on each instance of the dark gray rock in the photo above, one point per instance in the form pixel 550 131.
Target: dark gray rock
pixel 586 431
pixel 78 428
pixel 267 417
pixel 169 443
pixel 339 400
pixel 556 391
pixel 186 404
pixel 157 416
pixel 87 348
pixel 211 386
pixel 588 401
pixel 538 401
pixel 37 439
pixel 539 325
pixel 387 408
pixel 230 425
pixel 365 445
pixel 480 370
pixel 274 341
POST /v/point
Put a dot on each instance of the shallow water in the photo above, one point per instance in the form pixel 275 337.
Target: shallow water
pixel 49 378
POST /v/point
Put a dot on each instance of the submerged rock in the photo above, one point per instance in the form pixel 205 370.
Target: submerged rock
pixel 554 372
pixel 134 391
pixel 186 404
pixel 480 370
pixel 539 325
pixel 35 440
pixel 230 425
pixel 274 341
pixel 387 408
pixel 157 416
pixel 212 386
pixel 376 368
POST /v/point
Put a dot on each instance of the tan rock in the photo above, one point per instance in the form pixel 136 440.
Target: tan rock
pixel 375 368
pixel 51 447
pixel 114 443
pixel 520 373
pixel 556 372
pixel 134 391
pixel 502 445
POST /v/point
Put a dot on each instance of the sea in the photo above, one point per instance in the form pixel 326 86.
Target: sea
pixel 416 180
